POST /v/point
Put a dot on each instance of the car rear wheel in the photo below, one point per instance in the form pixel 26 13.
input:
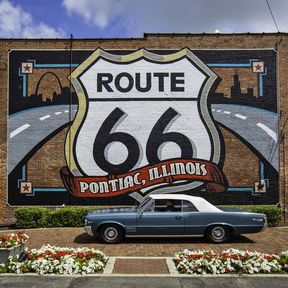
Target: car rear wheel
pixel 111 233
pixel 218 234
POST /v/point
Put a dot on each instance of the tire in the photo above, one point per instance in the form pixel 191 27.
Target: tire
pixel 111 233
pixel 218 234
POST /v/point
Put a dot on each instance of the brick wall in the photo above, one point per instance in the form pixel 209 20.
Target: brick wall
pixel 152 41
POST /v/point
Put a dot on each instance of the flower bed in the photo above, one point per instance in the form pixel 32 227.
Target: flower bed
pixel 56 260
pixel 230 261
pixel 13 239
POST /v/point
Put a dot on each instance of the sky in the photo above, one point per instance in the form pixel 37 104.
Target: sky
pixel 131 18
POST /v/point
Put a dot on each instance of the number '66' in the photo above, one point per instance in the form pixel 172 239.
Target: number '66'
pixel 156 138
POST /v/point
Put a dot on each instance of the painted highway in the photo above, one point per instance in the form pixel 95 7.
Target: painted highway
pixel 256 126
pixel 30 127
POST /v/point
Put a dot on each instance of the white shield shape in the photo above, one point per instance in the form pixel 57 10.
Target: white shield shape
pixel 139 109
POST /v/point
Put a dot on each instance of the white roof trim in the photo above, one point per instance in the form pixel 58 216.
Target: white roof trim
pixel 201 204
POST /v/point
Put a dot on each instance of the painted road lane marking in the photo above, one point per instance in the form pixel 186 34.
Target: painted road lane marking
pixel 66 111
pixel 44 117
pixel 226 112
pixel 270 132
pixel 240 116
pixel 218 110
pixel 19 130
pixel 57 113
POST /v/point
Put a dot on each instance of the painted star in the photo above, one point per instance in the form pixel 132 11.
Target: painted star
pixel 27 68
pixel 260 187
pixel 258 67
pixel 26 188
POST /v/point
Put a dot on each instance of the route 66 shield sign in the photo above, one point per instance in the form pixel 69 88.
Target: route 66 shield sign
pixel 142 125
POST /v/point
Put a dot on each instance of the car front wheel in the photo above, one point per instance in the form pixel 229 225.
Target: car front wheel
pixel 111 233
pixel 218 234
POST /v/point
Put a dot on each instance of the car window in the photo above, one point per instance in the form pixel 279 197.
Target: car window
pixel 187 206
pixel 167 205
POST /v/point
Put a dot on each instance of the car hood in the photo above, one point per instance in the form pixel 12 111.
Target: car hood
pixel 112 210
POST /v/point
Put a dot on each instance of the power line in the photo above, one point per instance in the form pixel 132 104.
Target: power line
pixel 272 15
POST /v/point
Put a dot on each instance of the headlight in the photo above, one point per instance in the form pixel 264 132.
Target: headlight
pixel 88 223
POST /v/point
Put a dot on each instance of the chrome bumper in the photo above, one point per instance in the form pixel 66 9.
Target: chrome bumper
pixel 265 225
pixel 88 230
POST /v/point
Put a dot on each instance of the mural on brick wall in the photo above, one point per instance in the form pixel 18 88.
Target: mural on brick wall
pixel 111 127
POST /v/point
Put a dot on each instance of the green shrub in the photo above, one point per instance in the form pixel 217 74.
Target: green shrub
pixel 30 217
pixel 43 217
pixel 66 217
pixel 273 213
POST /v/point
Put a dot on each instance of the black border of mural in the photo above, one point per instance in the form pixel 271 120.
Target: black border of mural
pixel 205 56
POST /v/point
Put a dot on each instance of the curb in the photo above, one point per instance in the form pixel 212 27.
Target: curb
pixel 149 275
pixel 109 266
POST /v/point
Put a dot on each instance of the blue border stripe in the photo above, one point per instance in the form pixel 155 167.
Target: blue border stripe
pixel 23 177
pixel 261 82
pixel 248 189
pixel 237 189
pixel 24 86
pixel 229 65
pixel 262 175
pixel 260 85
pixel 49 190
pixel 55 65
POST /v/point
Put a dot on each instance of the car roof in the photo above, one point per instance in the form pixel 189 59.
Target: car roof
pixel 200 203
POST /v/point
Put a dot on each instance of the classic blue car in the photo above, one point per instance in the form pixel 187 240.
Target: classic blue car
pixel 172 215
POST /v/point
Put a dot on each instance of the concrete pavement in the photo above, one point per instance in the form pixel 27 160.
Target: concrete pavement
pixel 28 281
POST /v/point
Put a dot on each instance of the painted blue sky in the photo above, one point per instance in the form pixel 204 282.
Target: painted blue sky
pixel 131 18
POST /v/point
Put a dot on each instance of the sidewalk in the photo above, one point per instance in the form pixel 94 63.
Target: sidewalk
pixel 272 240
pixel 152 255
pixel 146 263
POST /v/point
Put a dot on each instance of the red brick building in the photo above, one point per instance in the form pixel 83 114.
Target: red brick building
pixel 202 114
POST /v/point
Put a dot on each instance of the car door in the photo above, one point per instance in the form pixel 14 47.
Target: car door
pixel 193 221
pixel 156 219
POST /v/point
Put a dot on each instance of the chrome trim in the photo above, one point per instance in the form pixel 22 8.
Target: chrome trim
pixel 170 236
pixel 88 230
pixel 265 225
pixel 258 219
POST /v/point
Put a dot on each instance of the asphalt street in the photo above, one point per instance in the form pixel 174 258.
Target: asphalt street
pixel 135 281
pixel 256 126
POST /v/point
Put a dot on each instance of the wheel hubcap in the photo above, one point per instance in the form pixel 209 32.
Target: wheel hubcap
pixel 218 233
pixel 111 233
